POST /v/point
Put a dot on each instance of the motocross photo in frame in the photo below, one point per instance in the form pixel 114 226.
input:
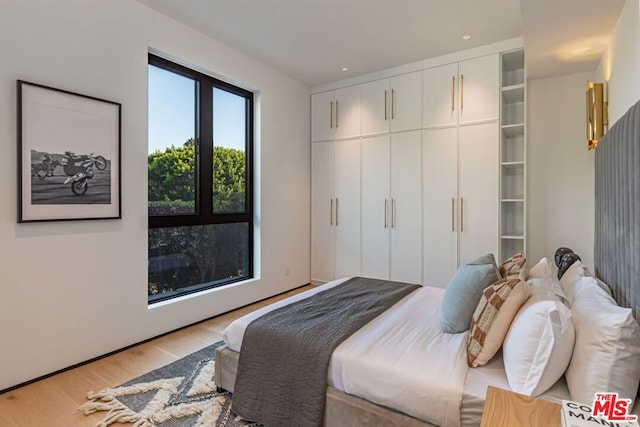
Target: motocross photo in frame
pixel 68 155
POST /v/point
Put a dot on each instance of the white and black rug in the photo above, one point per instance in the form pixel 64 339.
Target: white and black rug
pixel 181 394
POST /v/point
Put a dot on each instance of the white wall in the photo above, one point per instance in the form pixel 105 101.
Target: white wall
pixel 561 171
pixel 560 181
pixel 620 64
pixel 71 291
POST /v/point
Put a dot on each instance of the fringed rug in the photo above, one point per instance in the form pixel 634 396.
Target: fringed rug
pixel 181 394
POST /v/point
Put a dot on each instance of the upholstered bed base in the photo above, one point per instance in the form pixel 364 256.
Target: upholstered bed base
pixel 341 409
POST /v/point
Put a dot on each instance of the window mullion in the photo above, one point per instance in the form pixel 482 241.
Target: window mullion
pixel 205 191
pixel 191 220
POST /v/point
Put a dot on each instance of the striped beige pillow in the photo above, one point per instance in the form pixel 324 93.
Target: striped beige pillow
pixel 497 307
pixel 513 265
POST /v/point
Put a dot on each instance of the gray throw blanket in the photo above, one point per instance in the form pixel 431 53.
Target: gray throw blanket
pixel 282 371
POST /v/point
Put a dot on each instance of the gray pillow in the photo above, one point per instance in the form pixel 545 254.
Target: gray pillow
pixel 484 259
pixel 464 291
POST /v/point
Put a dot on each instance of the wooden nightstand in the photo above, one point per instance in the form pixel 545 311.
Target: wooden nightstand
pixel 506 408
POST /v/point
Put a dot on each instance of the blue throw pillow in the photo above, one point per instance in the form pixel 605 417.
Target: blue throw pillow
pixel 464 291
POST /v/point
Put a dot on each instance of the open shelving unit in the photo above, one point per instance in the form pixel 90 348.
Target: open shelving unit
pixel 513 154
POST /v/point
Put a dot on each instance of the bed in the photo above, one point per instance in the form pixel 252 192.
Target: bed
pixel 378 378
pixel 443 392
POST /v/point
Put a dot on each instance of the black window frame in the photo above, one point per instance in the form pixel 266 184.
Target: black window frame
pixel 203 212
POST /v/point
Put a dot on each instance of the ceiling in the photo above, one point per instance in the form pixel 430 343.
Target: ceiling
pixel 566 36
pixel 313 40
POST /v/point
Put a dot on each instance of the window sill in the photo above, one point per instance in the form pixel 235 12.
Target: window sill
pixel 201 293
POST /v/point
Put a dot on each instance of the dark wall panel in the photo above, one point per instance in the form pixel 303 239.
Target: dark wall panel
pixel 617 216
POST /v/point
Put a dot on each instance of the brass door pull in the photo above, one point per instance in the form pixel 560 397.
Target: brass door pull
pixel 331 115
pixel 386 207
pixel 331 212
pixel 393 213
pixel 461 92
pixel 453 94
pixel 393 103
pixel 453 217
pixel 385 105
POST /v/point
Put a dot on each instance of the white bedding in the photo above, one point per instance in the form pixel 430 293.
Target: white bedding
pixel 401 359
pixel 493 373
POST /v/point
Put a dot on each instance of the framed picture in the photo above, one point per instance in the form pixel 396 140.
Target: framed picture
pixel 68 155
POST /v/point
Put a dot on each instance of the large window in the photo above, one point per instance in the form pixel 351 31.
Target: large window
pixel 200 181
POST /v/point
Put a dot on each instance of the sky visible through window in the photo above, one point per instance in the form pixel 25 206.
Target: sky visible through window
pixel 228 120
pixel 172 115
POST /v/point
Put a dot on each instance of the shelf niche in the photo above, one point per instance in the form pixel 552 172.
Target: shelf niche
pixel 512 154
pixel 513 68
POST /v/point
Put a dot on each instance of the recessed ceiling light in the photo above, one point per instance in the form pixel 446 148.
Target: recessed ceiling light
pixel 466 37
pixel 345 68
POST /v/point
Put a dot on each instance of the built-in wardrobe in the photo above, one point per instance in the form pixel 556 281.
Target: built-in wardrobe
pixel 420 168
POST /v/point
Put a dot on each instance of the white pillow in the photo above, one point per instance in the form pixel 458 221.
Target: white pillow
pixel 538 346
pixel 543 269
pixel 575 272
pixel 603 285
pixel 545 275
pixel 551 285
pixel 607 349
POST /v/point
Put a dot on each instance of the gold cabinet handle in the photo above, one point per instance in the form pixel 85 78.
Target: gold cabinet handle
pixel 386 207
pixel 461 92
pixel 453 216
pixel 453 94
pixel 393 103
pixel 336 114
pixel 461 214
pixel 393 213
pixel 385 105
pixel 331 212
pixel 336 211
pixel 331 115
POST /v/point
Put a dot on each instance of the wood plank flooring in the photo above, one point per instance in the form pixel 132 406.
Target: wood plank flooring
pixel 53 402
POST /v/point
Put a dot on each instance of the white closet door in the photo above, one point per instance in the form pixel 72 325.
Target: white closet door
pixel 478 190
pixel 479 88
pixel 322 116
pixel 440 96
pixel 405 108
pixel 376 207
pixel 322 212
pixel 440 205
pixel 375 107
pixel 347 208
pixel 406 214
pixel 347 112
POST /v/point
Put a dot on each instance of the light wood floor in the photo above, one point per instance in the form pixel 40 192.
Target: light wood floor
pixel 53 402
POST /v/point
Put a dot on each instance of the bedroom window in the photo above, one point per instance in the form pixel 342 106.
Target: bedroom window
pixel 199 181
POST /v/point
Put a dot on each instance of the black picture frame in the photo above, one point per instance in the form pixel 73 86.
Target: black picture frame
pixel 69 155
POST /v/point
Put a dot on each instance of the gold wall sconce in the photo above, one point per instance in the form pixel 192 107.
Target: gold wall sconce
pixel 597 113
